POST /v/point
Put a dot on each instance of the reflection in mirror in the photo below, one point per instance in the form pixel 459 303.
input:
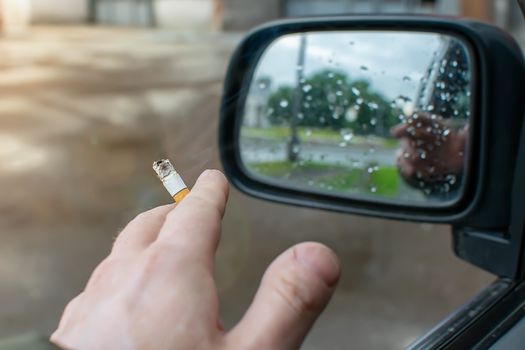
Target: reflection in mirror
pixel 366 114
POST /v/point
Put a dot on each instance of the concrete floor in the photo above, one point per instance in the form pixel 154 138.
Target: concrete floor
pixel 83 114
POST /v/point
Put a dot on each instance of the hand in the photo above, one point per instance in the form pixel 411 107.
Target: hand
pixel 156 289
pixel 430 151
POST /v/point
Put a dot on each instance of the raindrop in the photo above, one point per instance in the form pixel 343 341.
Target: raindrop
pixel 454 63
pixel 359 101
pixel 331 75
pixel 406 155
pixel 373 189
pixel 283 103
pixel 347 135
pixel 363 68
pixel 430 108
pixel 446 188
pixel 370 170
pixel 300 116
pixel 308 132
pixel 342 144
pixel 310 183
pixel 339 93
pixel 351 43
pixel 373 105
pixel 351 115
pixel 306 105
pixel 269 112
pixel 299 67
pixel 451 179
pixel 262 85
pixel 307 88
pixel 422 154
pixel 446 132
pixel 322 120
pixel 373 121
pixel 336 116
pixel 406 78
pixel 339 82
pixel 296 149
pixel 355 91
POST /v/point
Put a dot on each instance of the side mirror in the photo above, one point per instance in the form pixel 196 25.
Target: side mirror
pixel 413 118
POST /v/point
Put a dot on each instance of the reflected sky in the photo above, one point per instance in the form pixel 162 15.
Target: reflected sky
pixel 393 62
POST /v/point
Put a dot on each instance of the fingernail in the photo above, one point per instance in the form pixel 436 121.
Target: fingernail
pixel 320 260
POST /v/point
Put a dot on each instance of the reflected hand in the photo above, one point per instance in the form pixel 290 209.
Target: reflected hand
pixel 156 289
pixel 430 151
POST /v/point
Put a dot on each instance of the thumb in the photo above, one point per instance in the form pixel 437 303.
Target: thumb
pixel 294 291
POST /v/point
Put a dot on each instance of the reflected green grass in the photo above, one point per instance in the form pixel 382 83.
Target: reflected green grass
pixel 383 181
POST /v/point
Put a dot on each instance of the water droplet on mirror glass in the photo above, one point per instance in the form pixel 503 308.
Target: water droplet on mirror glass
pixel 451 179
pixel 339 93
pixel 269 112
pixel 300 116
pixel 309 97
pixel 373 105
pixel 406 78
pixel 310 183
pixel 331 75
pixel 307 87
pixel 283 103
pixel 308 132
pixel 355 91
pixel 373 189
pixel 346 135
pixel 342 144
pixel 446 132
pixel 339 82
pixel 370 170
pixel 446 188
pixel 373 121
pixel 430 108
pixel 363 68
pixel 406 155
pixel 359 101
pixel 454 63
pixel 299 68
pixel 262 85
pixel 351 43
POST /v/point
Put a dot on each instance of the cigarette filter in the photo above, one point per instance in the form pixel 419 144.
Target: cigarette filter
pixel 171 179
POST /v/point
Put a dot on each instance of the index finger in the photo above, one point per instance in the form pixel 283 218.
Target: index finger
pixel 194 225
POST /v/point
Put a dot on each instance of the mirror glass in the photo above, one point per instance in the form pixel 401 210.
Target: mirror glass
pixel 380 115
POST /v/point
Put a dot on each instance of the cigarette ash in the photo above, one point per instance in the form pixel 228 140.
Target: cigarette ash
pixel 163 168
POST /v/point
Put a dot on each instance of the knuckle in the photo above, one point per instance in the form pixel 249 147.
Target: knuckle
pixel 297 294
pixel 159 255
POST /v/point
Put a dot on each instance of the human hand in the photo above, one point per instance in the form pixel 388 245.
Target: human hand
pixel 430 150
pixel 156 289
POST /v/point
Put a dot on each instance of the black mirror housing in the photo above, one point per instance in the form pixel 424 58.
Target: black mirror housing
pixel 498 112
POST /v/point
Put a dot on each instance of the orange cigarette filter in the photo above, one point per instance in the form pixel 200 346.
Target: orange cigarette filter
pixel 171 180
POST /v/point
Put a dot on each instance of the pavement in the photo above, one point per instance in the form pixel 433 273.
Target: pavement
pixel 83 114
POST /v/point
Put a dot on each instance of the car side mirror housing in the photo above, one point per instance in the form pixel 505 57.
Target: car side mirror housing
pixel 412 118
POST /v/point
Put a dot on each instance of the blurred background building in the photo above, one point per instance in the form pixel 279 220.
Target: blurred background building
pixel 236 14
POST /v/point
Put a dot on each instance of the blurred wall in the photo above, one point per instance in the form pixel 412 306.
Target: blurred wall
pixel 58 11
pixel 244 14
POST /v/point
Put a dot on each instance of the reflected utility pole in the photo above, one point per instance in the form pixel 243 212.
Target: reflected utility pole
pixel 294 141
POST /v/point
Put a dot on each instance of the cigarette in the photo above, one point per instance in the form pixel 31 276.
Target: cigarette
pixel 171 179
